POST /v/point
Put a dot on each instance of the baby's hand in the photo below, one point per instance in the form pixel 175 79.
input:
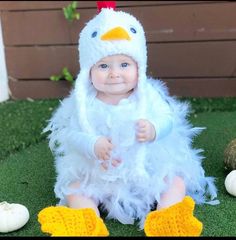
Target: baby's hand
pixel 145 131
pixel 103 148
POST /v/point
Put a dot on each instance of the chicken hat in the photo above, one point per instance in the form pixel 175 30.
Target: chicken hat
pixel 110 32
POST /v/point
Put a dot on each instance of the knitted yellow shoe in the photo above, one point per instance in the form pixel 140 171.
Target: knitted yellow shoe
pixel 176 220
pixel 64 221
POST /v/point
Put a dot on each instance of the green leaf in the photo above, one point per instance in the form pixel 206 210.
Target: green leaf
pixel 74 4
pixel 65 70
pixel 65 13
pixel 64 75
pixel 70 12
pixel 68 76
pixel 77 16
pixel 55 77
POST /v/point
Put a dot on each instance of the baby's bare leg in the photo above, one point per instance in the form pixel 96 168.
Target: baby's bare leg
pixel 79 201
pixel 174 194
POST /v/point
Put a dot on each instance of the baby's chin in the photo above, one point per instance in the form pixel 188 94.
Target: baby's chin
pixel 118 89
pixel 120 93
pixel 113 97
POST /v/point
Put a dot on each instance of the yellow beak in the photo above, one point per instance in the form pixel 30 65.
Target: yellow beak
pixel 117 33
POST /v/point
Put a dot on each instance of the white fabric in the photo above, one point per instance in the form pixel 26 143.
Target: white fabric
pixel 128 191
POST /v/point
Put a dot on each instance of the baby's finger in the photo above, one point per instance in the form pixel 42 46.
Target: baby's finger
pixel 104 165
pixel 110 147
pixel 141 130
pixel 141 135
pixel 105 156
pixel 142 139
pixel 109 142
pixel 141 123
pixel 115 162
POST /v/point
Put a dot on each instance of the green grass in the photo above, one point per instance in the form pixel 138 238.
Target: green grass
pixel 21 124
pixel 27 173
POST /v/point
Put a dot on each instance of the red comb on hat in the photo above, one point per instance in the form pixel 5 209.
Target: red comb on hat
pixel 105 4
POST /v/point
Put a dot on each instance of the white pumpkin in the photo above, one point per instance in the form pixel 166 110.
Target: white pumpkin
pixel 12 216
pixel 230 183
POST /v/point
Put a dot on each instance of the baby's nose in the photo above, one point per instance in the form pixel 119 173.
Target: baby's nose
pixel 114 75
pixel 114 72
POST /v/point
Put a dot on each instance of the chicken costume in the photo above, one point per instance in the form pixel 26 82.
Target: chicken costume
pixel 127 192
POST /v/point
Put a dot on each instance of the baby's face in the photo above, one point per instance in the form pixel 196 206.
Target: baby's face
pixel 115 75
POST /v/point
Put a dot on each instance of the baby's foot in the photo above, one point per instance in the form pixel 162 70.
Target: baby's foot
pixel 176 220
pixel 64 221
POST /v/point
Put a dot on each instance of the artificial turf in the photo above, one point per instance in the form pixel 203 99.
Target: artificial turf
pixel 27 173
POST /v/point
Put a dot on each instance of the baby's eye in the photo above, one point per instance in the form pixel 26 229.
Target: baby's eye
pixel 124 65
pixel 103 66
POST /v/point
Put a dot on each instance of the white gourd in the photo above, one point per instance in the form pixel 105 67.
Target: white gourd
pixel 230 183
pixel 12 216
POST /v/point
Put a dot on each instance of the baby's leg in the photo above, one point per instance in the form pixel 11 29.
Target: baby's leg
pixel 79 201
pixel 174 194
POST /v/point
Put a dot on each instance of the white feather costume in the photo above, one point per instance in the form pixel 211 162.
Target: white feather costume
pixel 128 191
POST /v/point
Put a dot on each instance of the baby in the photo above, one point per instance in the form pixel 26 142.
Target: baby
pixel 121 142
pixel 115 78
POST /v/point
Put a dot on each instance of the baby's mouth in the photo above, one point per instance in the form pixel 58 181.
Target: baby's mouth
pixel 116 83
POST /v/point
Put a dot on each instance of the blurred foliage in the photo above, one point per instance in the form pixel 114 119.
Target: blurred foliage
pixel 226 104
pixel 70 12
pixel 65 75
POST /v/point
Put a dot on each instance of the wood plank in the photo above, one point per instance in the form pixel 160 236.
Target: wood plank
pixel 39 89
pixel 202 87
pixel 32 5
pixel 162 23
pixel 198 59
pixel 188 23
pixel 40 62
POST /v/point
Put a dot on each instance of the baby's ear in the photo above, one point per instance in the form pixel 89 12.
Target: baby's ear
pixel 90 76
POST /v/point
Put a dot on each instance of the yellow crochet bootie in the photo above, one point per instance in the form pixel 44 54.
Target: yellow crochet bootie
pixel 64 221
pixel 176 220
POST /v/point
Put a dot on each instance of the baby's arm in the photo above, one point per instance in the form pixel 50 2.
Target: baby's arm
pixel 159 122
pixel 83 143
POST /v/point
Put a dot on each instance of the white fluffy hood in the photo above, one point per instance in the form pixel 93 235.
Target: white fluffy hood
pixel 109 32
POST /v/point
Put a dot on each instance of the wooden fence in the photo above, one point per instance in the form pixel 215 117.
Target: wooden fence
pixel 191 45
